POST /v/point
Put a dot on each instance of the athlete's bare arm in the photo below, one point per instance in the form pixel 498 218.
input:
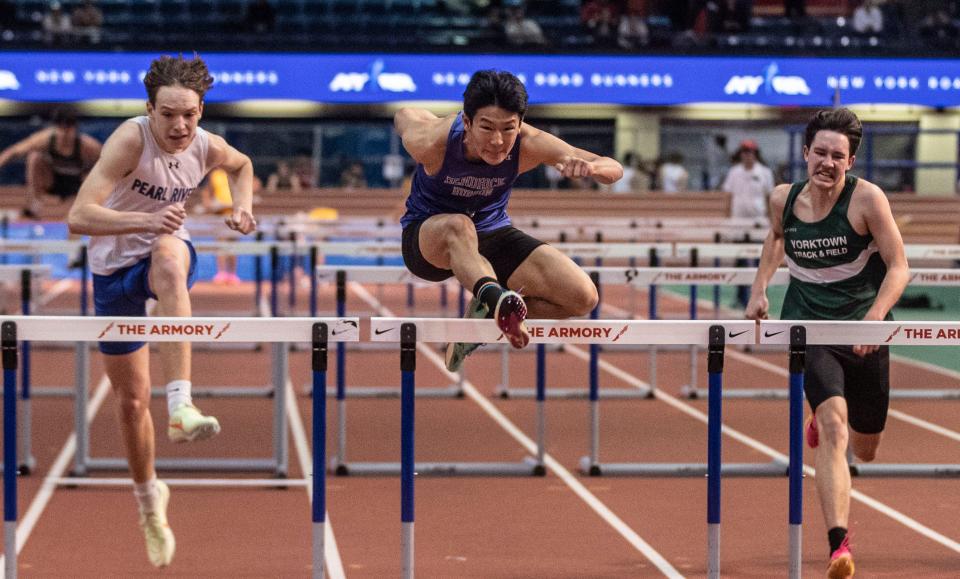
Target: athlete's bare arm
pixel 119 158
pixel 541 148
pixel 871 202
pixel 770 257
pixel 424 136
pixel 35 142
pixel 239 171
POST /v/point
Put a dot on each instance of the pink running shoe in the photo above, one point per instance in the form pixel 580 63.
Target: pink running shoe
pixel 841 562
pixel 811 433
pixel 510 314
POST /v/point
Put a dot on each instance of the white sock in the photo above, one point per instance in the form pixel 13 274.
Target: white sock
pixel 178 392
pixel 147 494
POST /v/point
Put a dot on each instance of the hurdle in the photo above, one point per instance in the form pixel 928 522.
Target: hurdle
pixel 734 276
pixel 409 332
pixel 26 275
pixel 278 461
pixel 15 330
pixel 830 333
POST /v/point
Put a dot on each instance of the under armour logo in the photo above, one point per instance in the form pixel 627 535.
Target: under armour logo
pixel 173 164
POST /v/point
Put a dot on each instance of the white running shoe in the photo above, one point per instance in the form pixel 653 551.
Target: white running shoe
pixel 187 424
pixel 160 542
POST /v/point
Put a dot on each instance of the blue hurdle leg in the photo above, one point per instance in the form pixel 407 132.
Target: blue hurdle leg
pixel 408 364
pixel 798 343
pixel 319 448
pixel 8 334
pixel 714 455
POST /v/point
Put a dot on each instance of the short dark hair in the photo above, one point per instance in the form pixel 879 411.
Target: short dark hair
pixel 173 71
pixel 841 120
pixel 497 88
pixel 63 117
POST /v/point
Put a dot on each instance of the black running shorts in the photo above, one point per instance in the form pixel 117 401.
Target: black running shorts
pixel 505 248
pixel 864 381
pixel 65 186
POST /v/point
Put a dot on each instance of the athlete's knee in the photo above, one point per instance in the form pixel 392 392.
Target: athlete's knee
pixel 866 449
pixel 582 300
pixel 833 430
pixel 454 227
pixel 132 405
pixel 167 271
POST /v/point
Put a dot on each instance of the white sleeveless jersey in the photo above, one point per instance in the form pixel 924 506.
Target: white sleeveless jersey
pixel 160 179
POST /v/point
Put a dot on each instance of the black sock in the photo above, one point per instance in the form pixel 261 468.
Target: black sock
pixel 836 536
pixel 488 291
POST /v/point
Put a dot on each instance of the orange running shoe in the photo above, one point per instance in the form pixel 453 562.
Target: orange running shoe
pixel 841 562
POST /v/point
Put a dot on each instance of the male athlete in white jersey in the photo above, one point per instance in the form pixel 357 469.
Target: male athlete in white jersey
pixel 132 206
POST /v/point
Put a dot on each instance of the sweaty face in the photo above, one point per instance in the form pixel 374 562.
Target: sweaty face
pixel 174 117
pixel 828 159
pixel 491 134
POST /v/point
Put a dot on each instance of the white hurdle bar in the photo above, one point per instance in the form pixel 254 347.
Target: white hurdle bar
pixel 942 277
pixel 907 333
pixel 315 331
pixel 411 331
pixel 278 331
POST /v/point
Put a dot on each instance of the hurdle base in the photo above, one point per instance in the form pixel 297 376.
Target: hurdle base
pixel 529 467
pixel 653 469
pixel 158 392
pixel 452 391
pixel 191 464
pixel 573 393
pixel 783 394
pixel 905 470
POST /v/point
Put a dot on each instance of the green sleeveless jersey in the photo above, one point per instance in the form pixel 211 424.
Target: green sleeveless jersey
pixel 835 273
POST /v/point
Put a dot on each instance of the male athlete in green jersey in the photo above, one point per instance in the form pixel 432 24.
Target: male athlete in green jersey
pixel 846 262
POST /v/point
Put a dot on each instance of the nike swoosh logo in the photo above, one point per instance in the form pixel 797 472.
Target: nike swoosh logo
pixel 379 331
pixel 732 335
pixel 771 334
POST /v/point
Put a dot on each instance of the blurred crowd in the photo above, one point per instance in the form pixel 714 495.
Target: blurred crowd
pixel 529 25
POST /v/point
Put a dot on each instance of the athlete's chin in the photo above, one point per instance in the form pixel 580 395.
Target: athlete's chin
pixel 494 159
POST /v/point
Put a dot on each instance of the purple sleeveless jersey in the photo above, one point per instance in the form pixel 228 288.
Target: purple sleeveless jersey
pixel 476 189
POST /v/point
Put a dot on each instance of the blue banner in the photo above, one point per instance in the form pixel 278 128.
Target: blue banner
pixel 373 78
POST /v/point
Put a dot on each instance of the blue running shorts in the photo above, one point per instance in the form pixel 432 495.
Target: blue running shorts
pixel 125 293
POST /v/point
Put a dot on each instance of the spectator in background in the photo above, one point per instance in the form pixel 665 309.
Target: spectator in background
pixel 717 160
pixel 601 19
pixel 353 177
pixel 8 16
pixel 283 179
pixel 261 17
pixel 87 21
pixel 730 16
pixel 636 177
pixel 749 183
pixel 632 31
pixel 58 158
pixel 672 177
pixel 795 9
pixel 939 31
pixel 868 17
pixel 520 30
pixel 305 170
pixel 57 28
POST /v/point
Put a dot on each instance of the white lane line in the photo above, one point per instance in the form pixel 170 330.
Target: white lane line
pixel 568 478
pixel 330 550
pixel 910 523
pixel 780 371
pixel 49 485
